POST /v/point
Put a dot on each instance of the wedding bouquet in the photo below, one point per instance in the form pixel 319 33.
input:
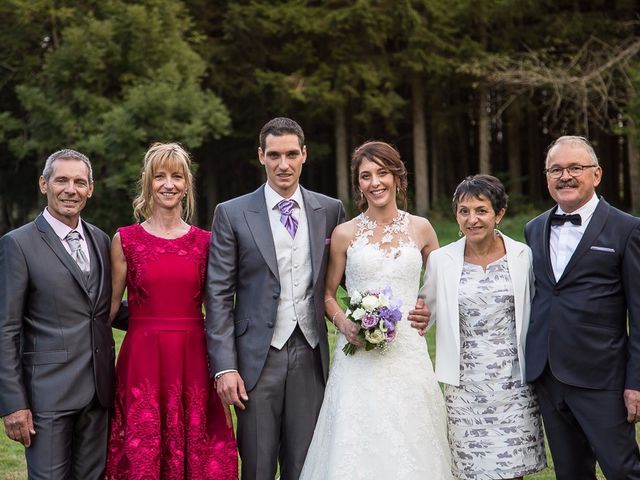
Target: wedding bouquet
pixel 376 313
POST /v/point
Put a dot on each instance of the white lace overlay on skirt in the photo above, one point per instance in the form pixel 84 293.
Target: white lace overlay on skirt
pixel 383 415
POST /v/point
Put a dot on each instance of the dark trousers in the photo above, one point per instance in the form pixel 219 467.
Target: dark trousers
pixel 69 444
pixel 584 426
pixel 280 416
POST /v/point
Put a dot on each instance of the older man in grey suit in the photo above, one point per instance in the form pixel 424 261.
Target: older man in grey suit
pixel 56 346
pixel 267 339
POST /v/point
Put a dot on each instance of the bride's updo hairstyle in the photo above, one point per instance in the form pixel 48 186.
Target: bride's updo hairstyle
pixel 171 157
pixel 386 156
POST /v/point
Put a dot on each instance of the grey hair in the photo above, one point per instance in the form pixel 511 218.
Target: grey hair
pixel 65 154
pixel 575 141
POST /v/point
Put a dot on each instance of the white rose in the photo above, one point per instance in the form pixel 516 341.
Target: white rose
pixel 370 302
pixel 358 313
pixel 355 297
pixel 383 300
pixel 374 336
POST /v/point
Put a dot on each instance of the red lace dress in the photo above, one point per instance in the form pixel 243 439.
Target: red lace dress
pixel 168 422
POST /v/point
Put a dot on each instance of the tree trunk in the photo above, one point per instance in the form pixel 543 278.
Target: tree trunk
pixel 421 184
pixel 513 151
pixel 634 171
pixel 536 156
pixel 209 186
pixel 438 151
pixel 342 155
pixel 463 150
pixel 484 132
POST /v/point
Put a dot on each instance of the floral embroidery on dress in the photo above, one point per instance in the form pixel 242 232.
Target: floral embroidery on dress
pixel 141 247
pixel 392 237
pixel 140 451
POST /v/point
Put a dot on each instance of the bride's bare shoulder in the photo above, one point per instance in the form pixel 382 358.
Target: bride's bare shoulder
pixel 344 233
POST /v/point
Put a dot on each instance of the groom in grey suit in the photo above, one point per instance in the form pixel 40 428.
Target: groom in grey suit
pixel 56 346
pixel 266 333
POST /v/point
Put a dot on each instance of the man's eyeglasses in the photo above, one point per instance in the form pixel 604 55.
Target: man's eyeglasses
pixel 573 170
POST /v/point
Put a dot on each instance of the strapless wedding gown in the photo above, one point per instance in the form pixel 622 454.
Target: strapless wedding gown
pixel 383 414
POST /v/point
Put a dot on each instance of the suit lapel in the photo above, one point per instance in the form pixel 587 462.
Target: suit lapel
pixel 317 222
pixel 546 233
pixel 257 218
pixel 52 240
pixel 596 224
pixel 97 262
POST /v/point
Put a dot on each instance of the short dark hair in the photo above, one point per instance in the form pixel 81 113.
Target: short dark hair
pixel 482 185
pixel 386 156
pixel 281 126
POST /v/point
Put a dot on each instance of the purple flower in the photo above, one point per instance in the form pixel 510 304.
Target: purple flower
pixel 391 335
pixel 369 321
pixel 395 315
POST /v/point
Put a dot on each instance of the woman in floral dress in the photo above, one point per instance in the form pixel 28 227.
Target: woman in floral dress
pixel 479 291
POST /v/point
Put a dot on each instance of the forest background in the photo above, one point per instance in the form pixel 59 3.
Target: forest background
pixel 459 86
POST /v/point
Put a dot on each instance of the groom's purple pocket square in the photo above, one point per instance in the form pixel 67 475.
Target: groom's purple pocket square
pixel 327 241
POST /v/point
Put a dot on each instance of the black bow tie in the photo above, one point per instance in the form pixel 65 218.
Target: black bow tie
pixel 558 219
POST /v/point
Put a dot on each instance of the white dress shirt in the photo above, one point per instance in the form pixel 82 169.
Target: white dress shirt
pixel 564 239
pixel 61 230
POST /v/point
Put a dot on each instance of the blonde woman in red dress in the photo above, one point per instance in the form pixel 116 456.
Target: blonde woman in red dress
pixel 168 421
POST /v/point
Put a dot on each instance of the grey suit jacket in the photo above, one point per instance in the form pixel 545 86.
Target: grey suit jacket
pixel 243 287
pixel 56 346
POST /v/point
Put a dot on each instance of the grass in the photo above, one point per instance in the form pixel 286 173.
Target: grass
pixel 12 465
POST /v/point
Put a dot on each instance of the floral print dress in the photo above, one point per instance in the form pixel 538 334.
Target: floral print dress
pixel 495 430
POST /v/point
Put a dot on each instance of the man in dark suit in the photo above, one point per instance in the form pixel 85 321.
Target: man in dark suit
pixel 266 334
pixel 56 347
pixel 583 344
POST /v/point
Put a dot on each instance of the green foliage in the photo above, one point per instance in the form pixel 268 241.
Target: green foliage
pixel 112 78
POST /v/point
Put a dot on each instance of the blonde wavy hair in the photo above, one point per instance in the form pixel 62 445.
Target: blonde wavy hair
pixel 171 157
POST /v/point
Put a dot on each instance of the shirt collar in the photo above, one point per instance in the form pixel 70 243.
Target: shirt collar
pixel 60 229
pixel 273 198
pixel 585 211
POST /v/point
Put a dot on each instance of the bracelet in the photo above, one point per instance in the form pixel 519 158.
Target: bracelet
pixel 327 299
pixel 333 319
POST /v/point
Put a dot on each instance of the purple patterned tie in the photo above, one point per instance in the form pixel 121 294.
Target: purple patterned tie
pixel 286 216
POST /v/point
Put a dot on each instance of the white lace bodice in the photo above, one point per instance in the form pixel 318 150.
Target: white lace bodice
pixel 385 256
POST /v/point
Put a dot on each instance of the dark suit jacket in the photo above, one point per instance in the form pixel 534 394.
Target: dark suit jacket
pixel 56 346
pixel 579 323
pixel 243 287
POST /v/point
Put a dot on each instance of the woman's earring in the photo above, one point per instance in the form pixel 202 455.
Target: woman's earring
pixel 460 233
pixel 361 195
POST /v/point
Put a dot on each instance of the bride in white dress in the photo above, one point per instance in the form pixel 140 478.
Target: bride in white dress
pixel 383 415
